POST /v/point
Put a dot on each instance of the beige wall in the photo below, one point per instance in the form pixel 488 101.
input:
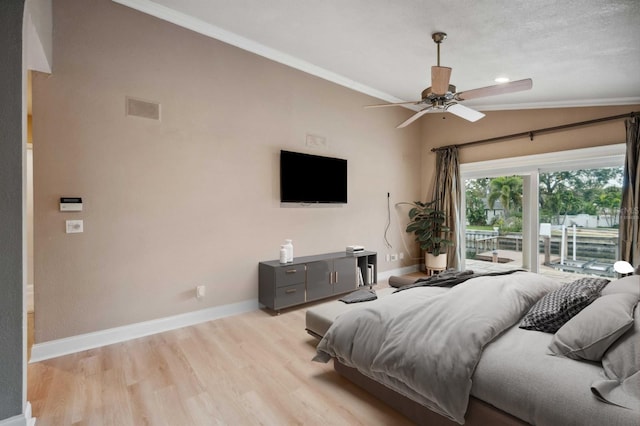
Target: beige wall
pixel 193 199
pixel 445 129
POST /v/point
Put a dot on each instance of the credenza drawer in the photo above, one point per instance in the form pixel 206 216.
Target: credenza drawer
pixel 290 295
pixel 289 275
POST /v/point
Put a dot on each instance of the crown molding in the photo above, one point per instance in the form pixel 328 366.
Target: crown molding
pixel 560 104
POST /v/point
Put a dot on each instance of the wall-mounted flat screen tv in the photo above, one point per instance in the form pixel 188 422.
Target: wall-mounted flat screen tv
pixel 306 178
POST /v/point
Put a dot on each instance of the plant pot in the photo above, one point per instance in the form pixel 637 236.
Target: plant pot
pixel 435 262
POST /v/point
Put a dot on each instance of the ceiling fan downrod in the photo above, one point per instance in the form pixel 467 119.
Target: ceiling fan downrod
pixel 438 38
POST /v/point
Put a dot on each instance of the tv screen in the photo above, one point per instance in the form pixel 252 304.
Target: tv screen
pixel 306 178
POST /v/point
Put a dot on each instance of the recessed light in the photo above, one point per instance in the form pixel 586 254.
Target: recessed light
pixel 501 79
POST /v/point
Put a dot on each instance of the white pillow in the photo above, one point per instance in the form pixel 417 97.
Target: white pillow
pixel 621 364
pixel 629 284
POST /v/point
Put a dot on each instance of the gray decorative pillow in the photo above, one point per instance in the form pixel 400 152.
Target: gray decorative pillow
pixel 556 308
pixel 590 333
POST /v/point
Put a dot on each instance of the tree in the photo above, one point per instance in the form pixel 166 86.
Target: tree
pixel 550 185
pixel 588 191
pixel 608 204
pixel 507 189
pixel 577 191
pixel 475 195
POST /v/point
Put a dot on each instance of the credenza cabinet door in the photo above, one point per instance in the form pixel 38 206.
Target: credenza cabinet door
pixel 344 275
pixel 329 277
pixel 319 279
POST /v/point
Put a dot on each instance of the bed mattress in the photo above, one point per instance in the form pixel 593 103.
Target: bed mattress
pixel 518 376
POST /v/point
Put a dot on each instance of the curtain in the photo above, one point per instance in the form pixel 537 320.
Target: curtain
pixel 447 192
pixel 629 237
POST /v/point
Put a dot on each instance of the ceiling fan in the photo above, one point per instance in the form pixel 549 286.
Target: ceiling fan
pixel 442 96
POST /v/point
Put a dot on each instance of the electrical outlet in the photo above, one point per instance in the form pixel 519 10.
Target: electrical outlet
pixel 387 257
pixel 401 255
pixel 394 257
pixel 200 291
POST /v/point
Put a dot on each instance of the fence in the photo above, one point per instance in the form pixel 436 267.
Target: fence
pixel 481 241
pixel 593 244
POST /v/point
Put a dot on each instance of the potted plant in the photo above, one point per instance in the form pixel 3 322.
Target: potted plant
pixel 427 223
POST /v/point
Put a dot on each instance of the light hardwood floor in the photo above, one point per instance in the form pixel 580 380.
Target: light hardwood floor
pixel 250 369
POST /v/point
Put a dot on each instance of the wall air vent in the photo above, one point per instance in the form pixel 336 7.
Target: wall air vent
pixel 145 109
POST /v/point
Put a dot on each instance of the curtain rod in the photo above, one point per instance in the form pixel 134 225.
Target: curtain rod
pixel 532 133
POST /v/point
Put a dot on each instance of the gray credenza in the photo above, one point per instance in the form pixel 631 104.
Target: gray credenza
pixel 311 278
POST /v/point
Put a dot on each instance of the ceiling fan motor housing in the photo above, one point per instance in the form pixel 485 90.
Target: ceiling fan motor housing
pixel 427 93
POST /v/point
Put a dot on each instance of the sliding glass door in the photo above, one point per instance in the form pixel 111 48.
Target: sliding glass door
pixel 520 212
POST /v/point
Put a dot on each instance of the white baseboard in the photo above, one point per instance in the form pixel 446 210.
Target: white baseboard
pixel 23 419
pixel 82 342
pixel 399 271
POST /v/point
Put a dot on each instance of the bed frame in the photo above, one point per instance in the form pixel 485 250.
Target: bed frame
pixel 479 413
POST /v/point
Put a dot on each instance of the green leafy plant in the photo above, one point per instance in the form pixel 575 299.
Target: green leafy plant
pixel 427 224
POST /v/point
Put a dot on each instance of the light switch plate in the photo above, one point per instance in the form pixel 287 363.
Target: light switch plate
pixel 75 226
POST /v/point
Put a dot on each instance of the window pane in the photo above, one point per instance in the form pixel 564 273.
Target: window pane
pixel 579 213
pixel 494 239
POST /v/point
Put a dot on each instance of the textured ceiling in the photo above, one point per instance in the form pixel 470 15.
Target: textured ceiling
pixel 578 52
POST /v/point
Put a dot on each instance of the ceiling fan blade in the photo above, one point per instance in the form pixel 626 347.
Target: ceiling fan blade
pixel 397 104
pixel 413 118
pixel 465 112
pixel 498 89
pixel 440 80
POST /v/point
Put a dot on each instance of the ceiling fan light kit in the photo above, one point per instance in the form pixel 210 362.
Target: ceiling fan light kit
pixel 442 96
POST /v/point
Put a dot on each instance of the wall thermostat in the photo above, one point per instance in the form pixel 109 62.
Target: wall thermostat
pixel 70 204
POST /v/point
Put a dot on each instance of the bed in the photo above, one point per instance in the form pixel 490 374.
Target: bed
pixel 510 349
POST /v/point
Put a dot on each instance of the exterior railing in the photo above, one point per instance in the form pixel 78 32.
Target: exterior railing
pixel 600 244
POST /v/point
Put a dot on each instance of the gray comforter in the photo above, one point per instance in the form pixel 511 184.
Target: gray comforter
pixel 426 342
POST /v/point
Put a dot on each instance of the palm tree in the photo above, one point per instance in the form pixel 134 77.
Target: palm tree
pixel 608 204
pixel 507 189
